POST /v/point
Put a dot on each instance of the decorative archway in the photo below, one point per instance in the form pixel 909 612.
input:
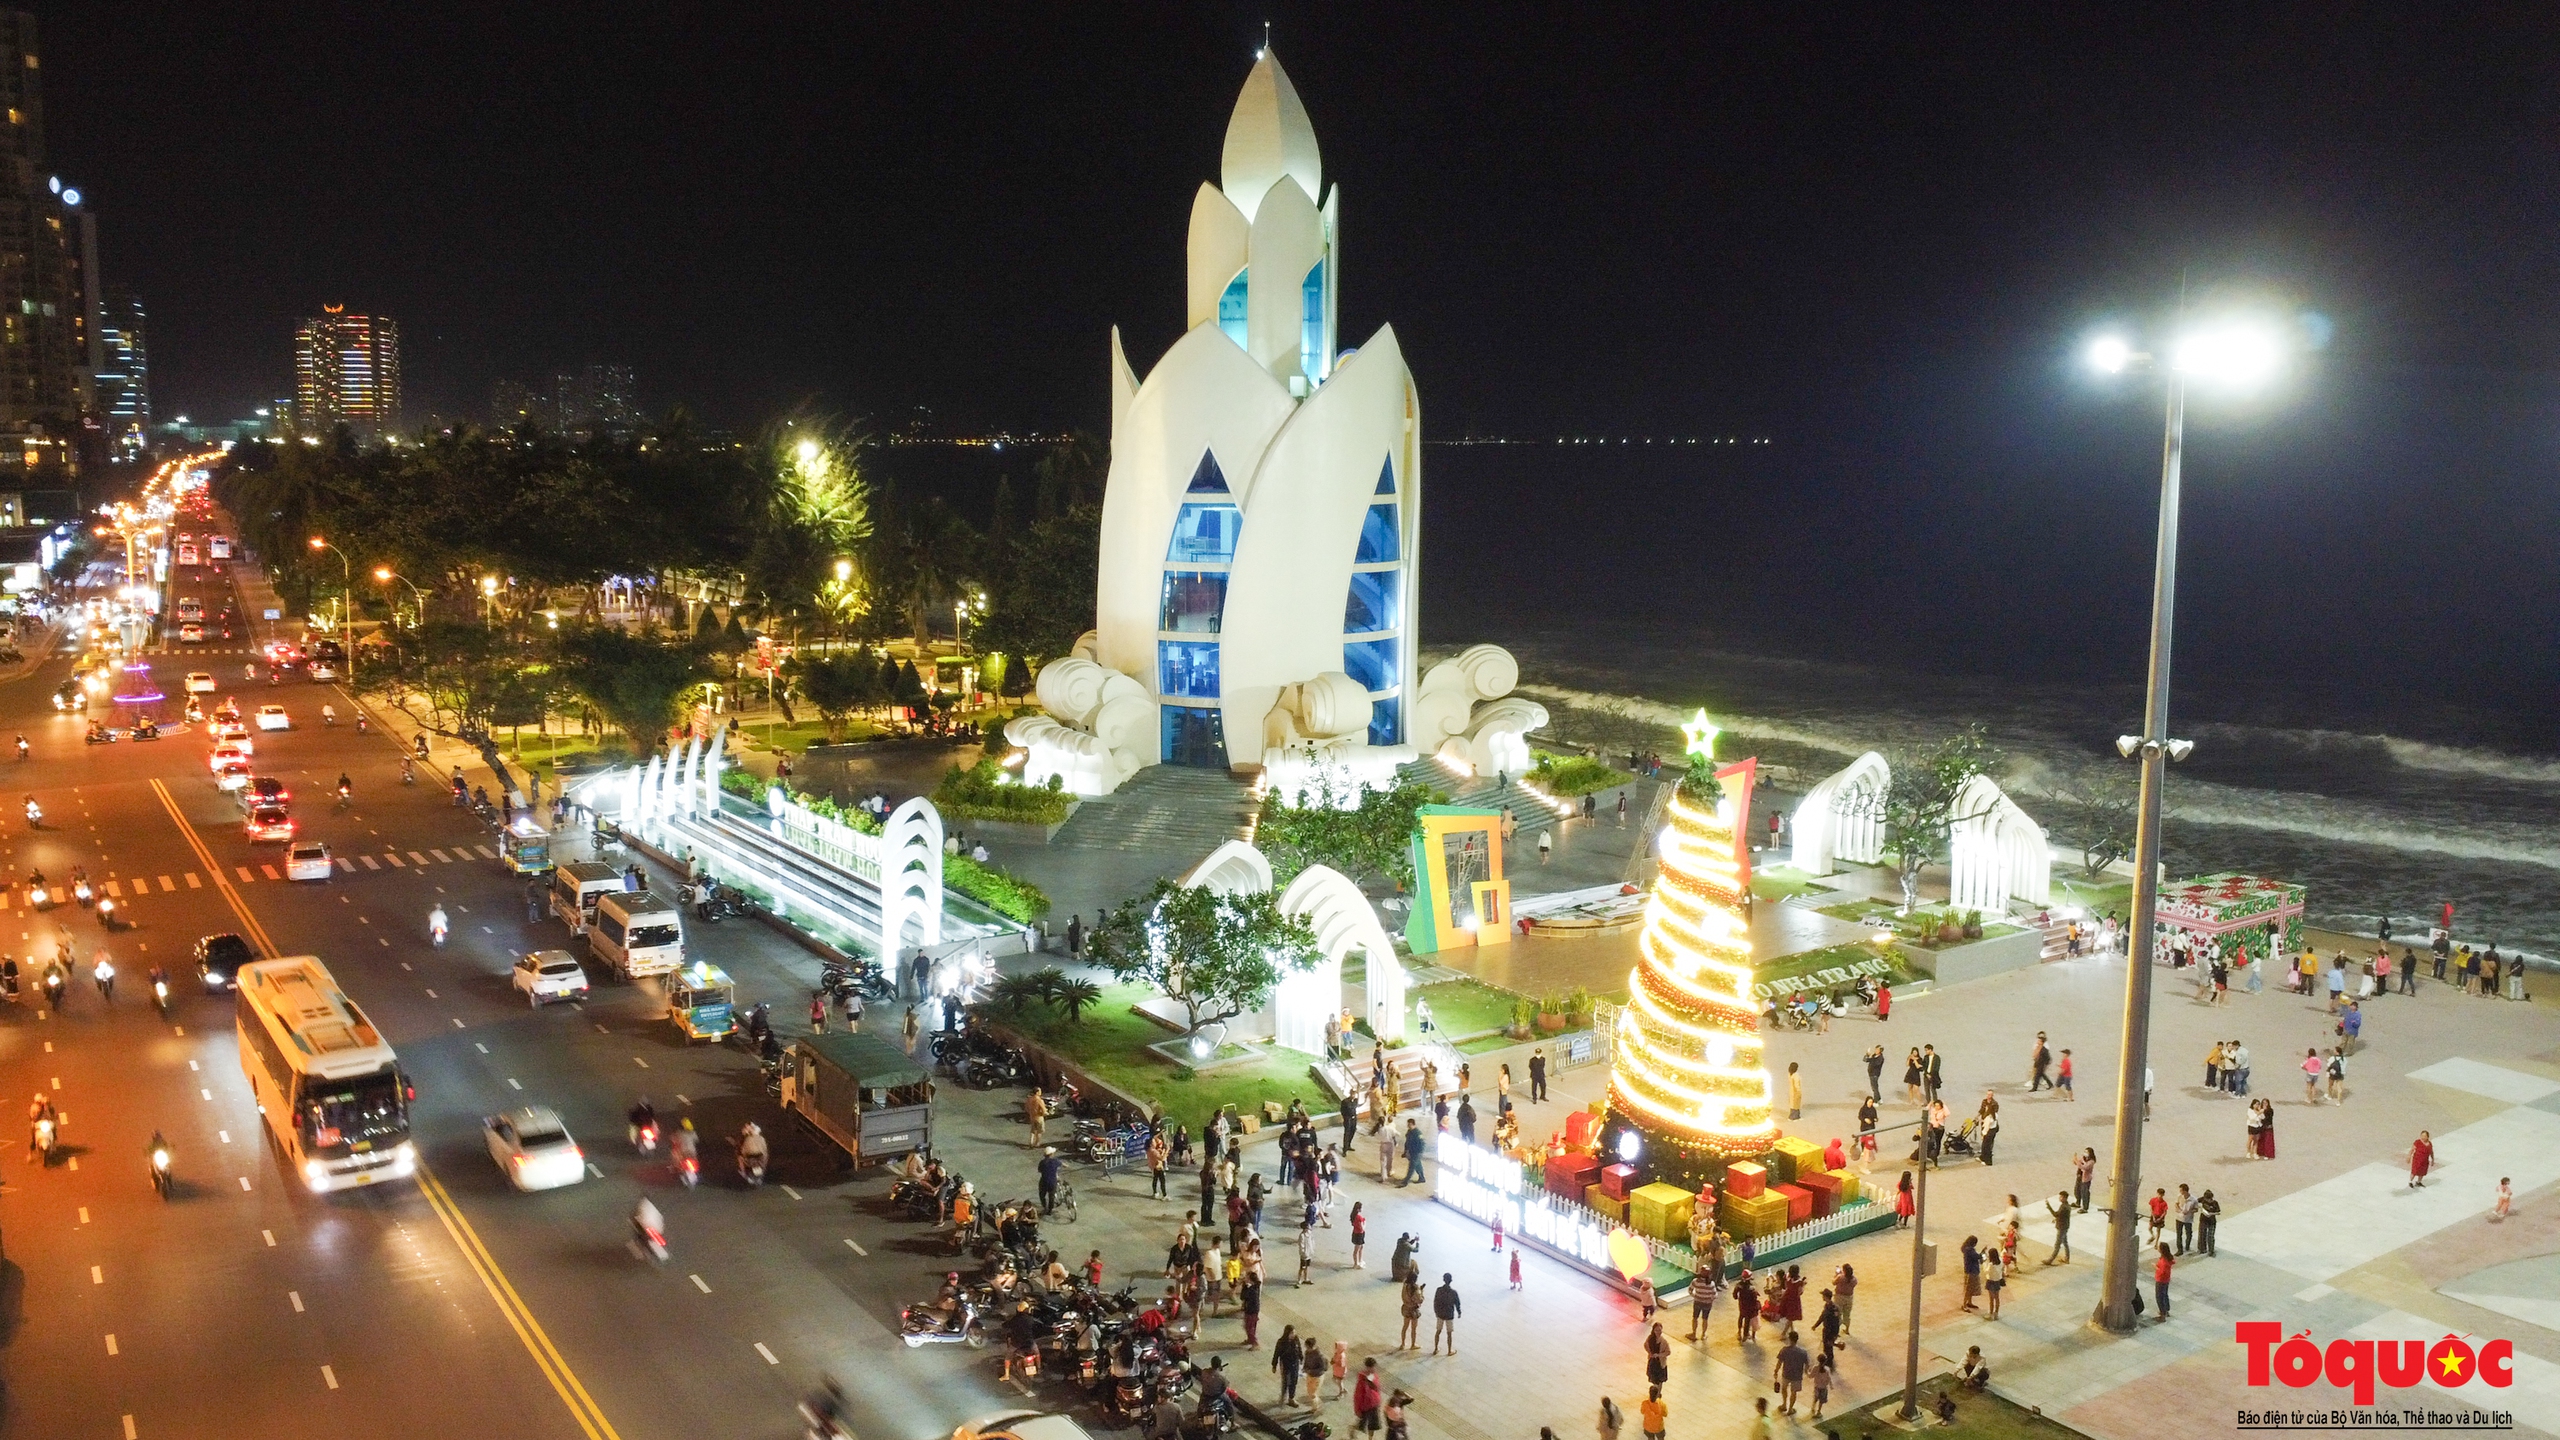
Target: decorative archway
pixel 1343 921
pixel 1835 821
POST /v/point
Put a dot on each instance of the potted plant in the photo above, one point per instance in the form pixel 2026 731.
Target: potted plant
pixel 1578 1006
pixel 1973 924
pixel 1551 1014
pixel 1524 1015
pixel 1950 929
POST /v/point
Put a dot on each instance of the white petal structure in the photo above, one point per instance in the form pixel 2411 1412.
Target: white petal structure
pixel 1261 530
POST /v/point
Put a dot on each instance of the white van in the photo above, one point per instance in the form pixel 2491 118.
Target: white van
pixel 638 933
pixel 577 886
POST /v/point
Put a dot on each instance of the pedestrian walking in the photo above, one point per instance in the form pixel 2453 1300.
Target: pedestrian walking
pixel 2208 1216
pixel 2040 1063
pixel 2185 1206
pixel 1286 1357
pixel 2505 1203
pixel 818 1012
pixel 1306 1251
pixel 1821 1382
pixel 911 1030
pixel 1366 1397
pixel 1413 1148
pixel 2350 1026
pixel 2160 1271
pixel 2062 1078
pixel 1546 845
pixel 1035 1108
pixel 2312 1070
pixel 1902 1204
pixel 1338 1369
pixel 1787 1375
pixel 1844 1292
pixel 1611 1420
pixel 2422 1156
pixel 1875 1073
pixel 1988 1127
pixel 1657 1356
pixel 2157 1211
pixel 1933 1068
pixel 1653 1414
pixel 2060 1211
pixel 1884 1001
pixel 2337 984
pixel 2337 1070
pixel 1795 1093
pixel 1515 1267
pixel 1249 1305
pixel 1410 1302
pixel 1746 1308
pixel 1827 1325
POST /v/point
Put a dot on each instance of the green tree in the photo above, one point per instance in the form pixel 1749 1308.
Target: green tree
pixel 1925 800
pixel 1367 839
pixel 2096 811
pixel 836 683
pixel 1217 956
pixel 1041 598
pixel 636 684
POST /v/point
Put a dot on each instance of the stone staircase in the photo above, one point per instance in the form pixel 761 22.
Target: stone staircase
pixel 2057 935
pixel 1172 809
pixel 1528 808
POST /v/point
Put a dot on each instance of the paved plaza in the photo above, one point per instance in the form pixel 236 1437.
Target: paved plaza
pixel 2327 1235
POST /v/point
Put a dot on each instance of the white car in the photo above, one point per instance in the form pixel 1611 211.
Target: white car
pixel 308 861
pixel 534 1148
pixel 191 632
pixel 241 749
pixel 200 683
pixel 550 975
pixel 231 775
pixel 321 672
pixel 272 717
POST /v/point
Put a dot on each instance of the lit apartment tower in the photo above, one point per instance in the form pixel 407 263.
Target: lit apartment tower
pixel 346 371
pixel 601 400
pixel 44 359
pixel 124 369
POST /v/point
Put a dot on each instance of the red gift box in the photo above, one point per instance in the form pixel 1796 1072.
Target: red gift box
pixel 1745 1179
pixel 1799 1202
pixel 1825 1189
pixel 1581 1129
pixel 1617 1180
pixel 1570 1175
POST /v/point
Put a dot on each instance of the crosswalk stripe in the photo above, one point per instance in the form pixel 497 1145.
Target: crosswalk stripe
pixel 440 856
pixel 167 884
pixel 345 864
pixel 113 891
pixel 369 862
pixel 485 852
pixel 271 872
pixel 421 859
pixel 192 882
pixel 244 872
pixel 394 859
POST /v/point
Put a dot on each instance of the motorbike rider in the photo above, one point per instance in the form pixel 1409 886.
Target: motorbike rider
pixel 9 976
pixel 647 1222
pixel 408 772
pixel 644 1116
pixel 22 747
pixel 35 812
pixel 684 1145
pixel 159 1149
pixel 436 923
pixel 105 974
pixel 825 1411
pixel 328 714
pixel 752 1150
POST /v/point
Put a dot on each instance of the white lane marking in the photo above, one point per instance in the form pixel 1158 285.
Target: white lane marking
pixel 97 1275
pixel 225 1134
pixel 636 1060
pixel 244 1182
pixel 681 1100
pixel 602 1031
pixel 48 1047
pixel 181 1029
pixel 488 930
pixel 514 1084
pixel 856 1249
pixel 167 884
pixel 369 862
pixel 698 1284
pixel 296 1297
pixel 787 1190
pixel 111 1344
pixel 204 1092
pixel 476 1045
pixel 129 1432
pixel 364 919
pixel 386 944
pixel 329 1375
pixel 193 1065
pixel 84 1214
pixel 592 1170
pixel 457 1024
pixel 395 860
pixel 245 876
pixel 404 964
pixel 431 994
pixel 441 857
pixel 414 855
pixel 272 872
pixel 269 1236
pixel 769 1357
pixel 485 852
pixel 193 884
pixel 57 1083
pixel 75 1162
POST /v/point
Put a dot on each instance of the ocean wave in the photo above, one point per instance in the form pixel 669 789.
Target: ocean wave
pixel 2205 803
pixel 1840 740
pixel 2423 755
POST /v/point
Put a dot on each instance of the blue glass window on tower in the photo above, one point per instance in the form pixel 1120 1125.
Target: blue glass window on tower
pixel 1208 479
pixel 1311 356
pixel 1372 663
pixel 1377 536
pixel 1231 308
pixel 1193 601
pixel 1386 479
pixel 1206 533
pixel 1386 721
pixel 1187 667
pixel 1372 605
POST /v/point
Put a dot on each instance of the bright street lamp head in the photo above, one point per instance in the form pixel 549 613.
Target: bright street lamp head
pixel 382 573
pixel 2126 745
pixel 2109 354
pixel 844 571
pixel 319 544
pixel 2236 353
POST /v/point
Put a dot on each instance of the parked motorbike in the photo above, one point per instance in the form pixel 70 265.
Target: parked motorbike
pixel 921 1325
pixel 914 1199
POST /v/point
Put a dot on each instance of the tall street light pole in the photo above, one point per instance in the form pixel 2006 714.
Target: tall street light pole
pixel 2235 354
pixel 346 634
pixel 1919 1262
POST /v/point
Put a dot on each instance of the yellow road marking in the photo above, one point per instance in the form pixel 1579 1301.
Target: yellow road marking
pixel 519 1316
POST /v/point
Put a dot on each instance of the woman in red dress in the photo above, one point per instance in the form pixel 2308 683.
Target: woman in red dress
pixel 1902 1202
pixel 2422 1154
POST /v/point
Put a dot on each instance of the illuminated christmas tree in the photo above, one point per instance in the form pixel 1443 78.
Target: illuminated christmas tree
pixel 1687 1091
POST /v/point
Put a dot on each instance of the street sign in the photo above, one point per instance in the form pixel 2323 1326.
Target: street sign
pixel 273 614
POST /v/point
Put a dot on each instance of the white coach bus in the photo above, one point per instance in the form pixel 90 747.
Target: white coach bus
pixel 329 1086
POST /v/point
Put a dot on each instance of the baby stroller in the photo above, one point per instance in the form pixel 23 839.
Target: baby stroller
pixel 1960 1140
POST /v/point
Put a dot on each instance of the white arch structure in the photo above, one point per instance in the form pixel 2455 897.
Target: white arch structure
pixel 1996 853
pixel 1343 920
pixel 1837 819
pixel 911 874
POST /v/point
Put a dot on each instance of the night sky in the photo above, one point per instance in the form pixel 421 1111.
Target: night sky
pixel 1874 236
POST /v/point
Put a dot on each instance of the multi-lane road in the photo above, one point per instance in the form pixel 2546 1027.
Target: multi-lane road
pixel 450 1307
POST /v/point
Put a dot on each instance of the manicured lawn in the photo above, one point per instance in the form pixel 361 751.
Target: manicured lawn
pixel 1882 914
pixel 1979 1416
pixel 1779 883
pixel 1464 1007
pixel 1770 977
pixel 793 739
pixel 545 752
pixel 2105 895
pixel 1110 1042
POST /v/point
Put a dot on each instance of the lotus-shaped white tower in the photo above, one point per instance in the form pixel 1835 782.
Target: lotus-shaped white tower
pixel 1261 527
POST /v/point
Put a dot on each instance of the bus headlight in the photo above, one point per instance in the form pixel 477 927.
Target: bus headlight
pixel 314 1171
pixel 407 1154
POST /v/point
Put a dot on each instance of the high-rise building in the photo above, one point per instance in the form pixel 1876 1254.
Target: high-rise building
pixel 44 266
pixel 346 371
pixel 513 403
pixel 599 400
pixel 123 382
